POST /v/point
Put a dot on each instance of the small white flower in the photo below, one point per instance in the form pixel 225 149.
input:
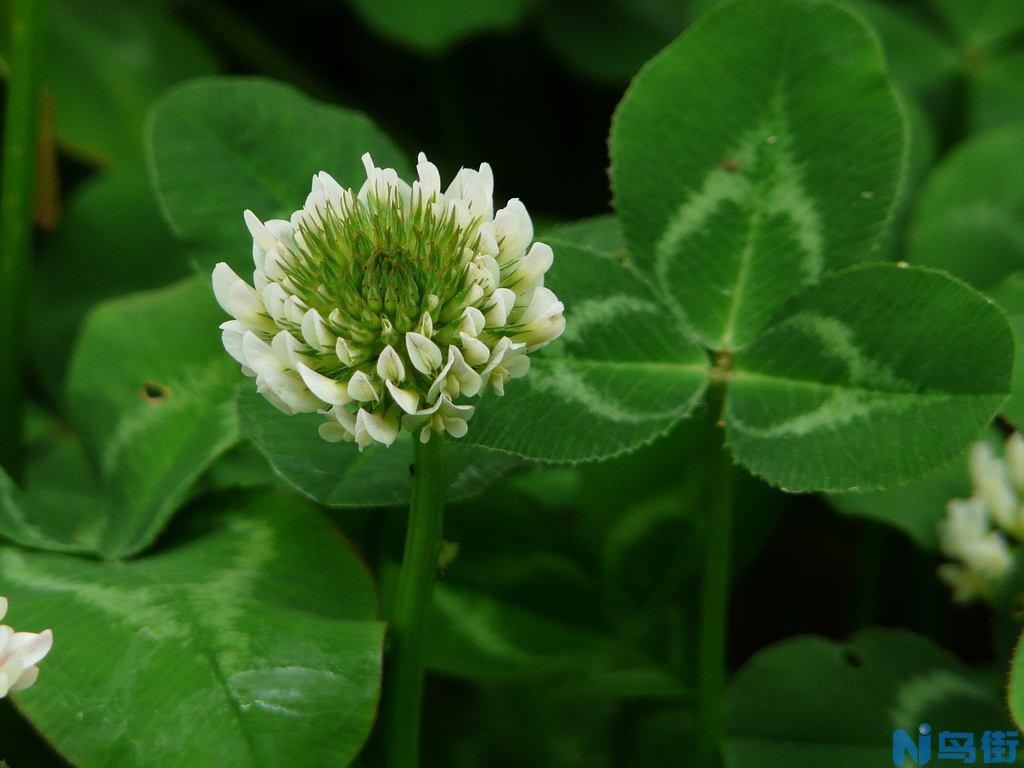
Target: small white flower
pixel 1014 455
pixel 992 483
pixel 967 523
pixel 385 307
pixel 978 531
pixel 20 652
pixel 989 557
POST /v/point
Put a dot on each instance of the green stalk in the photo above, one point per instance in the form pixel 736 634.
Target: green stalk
pixel 713 626
pixel 17 188
pixel 403 684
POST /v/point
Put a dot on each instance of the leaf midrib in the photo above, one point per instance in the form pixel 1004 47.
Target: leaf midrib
pixel 218 673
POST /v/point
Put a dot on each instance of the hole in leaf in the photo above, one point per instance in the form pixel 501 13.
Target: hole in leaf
pixel 154 392
pixel 853 658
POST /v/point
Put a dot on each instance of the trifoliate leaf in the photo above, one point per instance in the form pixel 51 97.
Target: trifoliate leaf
pixel 110 61
pixel 621 375
pixel 251 640
pixel 969 219
pixel 151 393
pixel 219 146
pixel 875 377
pixel 762 149
pixel 808 702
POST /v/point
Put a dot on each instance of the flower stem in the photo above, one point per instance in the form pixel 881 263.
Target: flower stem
pixel 711 642
pixel 17 188
pixel 403 686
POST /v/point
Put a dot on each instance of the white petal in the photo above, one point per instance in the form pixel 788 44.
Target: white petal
pixel 542 320
pixel 332 189
pixel 531 268
pixel 290 389
pixel 406 399
pixel 475 189
pixel 239 299
pixel 508 361
pixel 274 298
pixel 382 428
pixel 361 388
pixel 498 354
pixel 295 310
pixel 424 354
pixel 469 380
pixel 271 396
pixel 390 366
pixel 502 301
pixel 541 303
pixel 289 350
pixel 316 333
pixel 450 409
pixel 345 418
pixel 440 384
pixel 282 231
pixel 456 427
pixel 514 231
pixel 258 354
pixel 260 234
pixel 333 432
pixel 3 612
pixel 428 187
pixel 347 353
pixel 487 241
pixel 1014 455
pixel 30 648
pixel 26 679
pixel 9 673
pixel 324 387
pixel 231 335
pixel 474 350
pixel 517 365
pixel 426 325
pixel 473 322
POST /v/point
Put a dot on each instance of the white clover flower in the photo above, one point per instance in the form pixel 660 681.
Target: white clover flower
pixel 20 652
pixel 388 307
pixel 978 531
pixel 986 562
pixel 967 523
pixel 991 481
pixel 1014 455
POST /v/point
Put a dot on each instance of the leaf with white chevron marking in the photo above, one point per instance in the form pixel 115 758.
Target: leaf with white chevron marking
pixel 759 151
pixel 621 375
pixel 874 377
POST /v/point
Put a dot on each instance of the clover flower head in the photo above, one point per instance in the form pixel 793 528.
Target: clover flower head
pixel 20 652
pixel 979 532
pixel 390 306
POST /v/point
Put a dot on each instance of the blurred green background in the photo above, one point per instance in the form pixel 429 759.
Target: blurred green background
pixel 557 570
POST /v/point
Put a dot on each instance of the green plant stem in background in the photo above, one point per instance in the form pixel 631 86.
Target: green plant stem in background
pixel 17 189
pixel 403 683
pixel 713 620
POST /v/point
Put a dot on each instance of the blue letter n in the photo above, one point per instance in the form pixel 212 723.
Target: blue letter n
pixel 904 746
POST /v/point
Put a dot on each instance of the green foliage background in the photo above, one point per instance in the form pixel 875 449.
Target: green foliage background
pixel 828 193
